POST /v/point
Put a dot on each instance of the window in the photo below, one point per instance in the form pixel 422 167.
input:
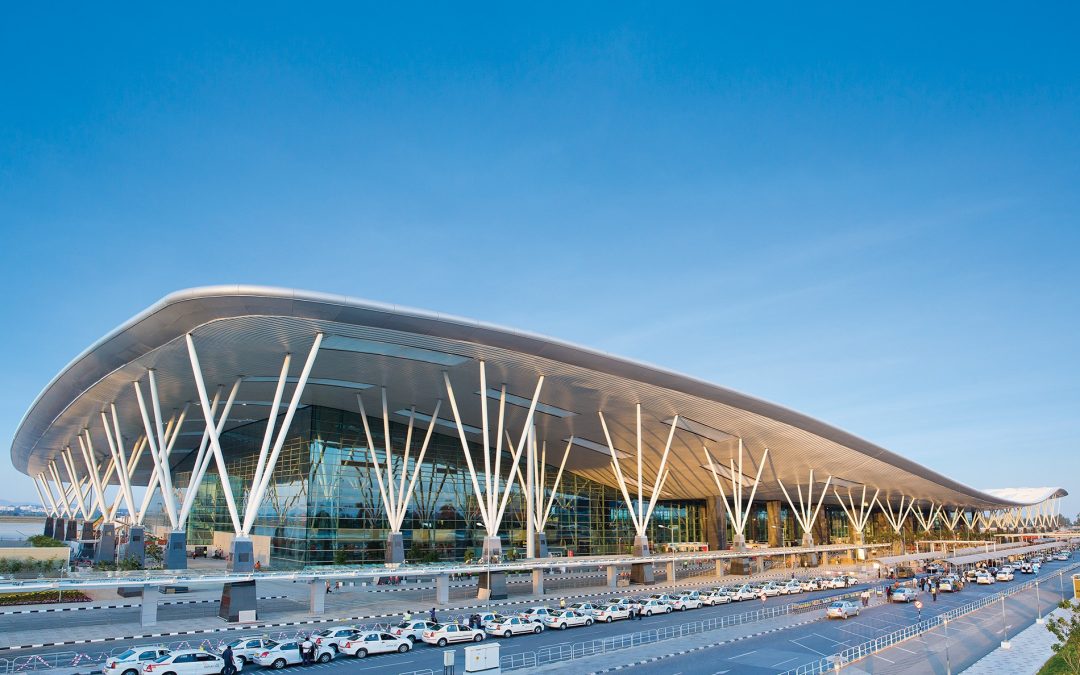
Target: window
pixel 184 658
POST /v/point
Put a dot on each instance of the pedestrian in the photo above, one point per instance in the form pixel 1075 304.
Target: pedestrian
pixel 632 612
pixel 307 651
pixel 407 616
pixel 763 598
pixel 562 603
pixel 888 594
pixel 433 618
pixel 230 663
pixel 328 588
pixel 933 592
pixel 640 614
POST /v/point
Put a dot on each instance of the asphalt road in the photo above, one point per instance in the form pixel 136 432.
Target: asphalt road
pixel 970 637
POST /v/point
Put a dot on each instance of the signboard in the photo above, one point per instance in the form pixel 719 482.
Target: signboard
pixel 918 604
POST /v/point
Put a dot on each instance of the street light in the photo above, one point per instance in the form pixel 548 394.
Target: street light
pixel 1038 603
pixel 1005 644
pixel 948 661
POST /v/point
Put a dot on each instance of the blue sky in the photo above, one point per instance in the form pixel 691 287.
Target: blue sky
pixel 866 214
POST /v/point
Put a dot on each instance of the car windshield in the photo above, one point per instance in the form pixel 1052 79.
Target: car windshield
pixel 126 654
pixel 837 605
pixel 237 643
pixel 162 659
pixel 438 626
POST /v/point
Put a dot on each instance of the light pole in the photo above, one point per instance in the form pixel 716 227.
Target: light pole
pixel 1038 603
pixel 1005 644
pixel 948 661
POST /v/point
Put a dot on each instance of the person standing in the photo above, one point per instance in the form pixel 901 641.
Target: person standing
pixel 434 619
pixel 562 603
pixel 230 662
pixel 763 598
pixel 307 649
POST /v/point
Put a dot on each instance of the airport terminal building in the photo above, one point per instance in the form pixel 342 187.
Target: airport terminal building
pixel 329 430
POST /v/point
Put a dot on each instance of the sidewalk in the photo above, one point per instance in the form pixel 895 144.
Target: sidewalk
pixel 1031 648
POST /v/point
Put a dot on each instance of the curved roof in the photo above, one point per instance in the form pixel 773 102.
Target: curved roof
pixel 245 330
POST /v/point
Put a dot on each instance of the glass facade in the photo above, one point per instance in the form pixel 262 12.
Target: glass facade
pixel 323 505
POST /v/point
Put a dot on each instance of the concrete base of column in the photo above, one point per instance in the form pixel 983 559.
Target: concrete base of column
pixel 148 611
pixel 317 597
pixel 442 589
pixel 641 573
pixel 135 548
pixel 809 559
pixel 612 576
pixel 242 559
pixel 492 585
pixel 738 542
pixel 759 564
pixel 538 582
pixel 540 545
pixel 860 541
pixel 395 548
pixel 176 551
pixel 72 532
pixel 87 533
pixel 671 572
pixel 239 601
pixel 105 551
pixel 50 527
pixel 60 529
pixel 721 568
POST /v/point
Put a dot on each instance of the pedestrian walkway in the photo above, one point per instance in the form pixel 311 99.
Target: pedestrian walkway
pixel 1028 651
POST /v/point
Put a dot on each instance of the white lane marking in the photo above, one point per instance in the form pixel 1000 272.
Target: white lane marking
pixel 878 656
pixel 830 639
pixel 744 654
pixel 795 641
pixel 784 661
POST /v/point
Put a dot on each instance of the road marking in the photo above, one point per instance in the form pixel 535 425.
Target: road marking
pixel 830 639
pixel 905 650
pixel 878 656
pixel 784 661
pixel 746 654
pixel 808 648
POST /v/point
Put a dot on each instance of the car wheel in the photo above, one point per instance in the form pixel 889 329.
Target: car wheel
pixel 608 620
pixel 403 648
pixel 506 634
pixel 683 608
pixel 478 637
pixel 278 664
pixel 441 642
pixel 648 613
pixel 588 622
pixel 325 658
pixel 562 626
pixel 668 611
pixel 360 653
pixel 537 629
pixel 131 672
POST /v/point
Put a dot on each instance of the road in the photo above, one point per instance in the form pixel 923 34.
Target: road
pixel 970 637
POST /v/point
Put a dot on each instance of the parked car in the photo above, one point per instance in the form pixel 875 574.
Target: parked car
pixel 584 608
pixel 904 594
pixel 1004 574
pixel 686 601
pixel 375 642
pixel 442 634
pixel 567 618
pixel 190 662
pixel 984 578
pixel 718 596
pixel 815 584
pixel 612 613
pixel 948 583
pixel 513 625
pixel 970 575
pixel 333 637
pixel 248 648
pixel 411 630
pixel 791 587
pixel 744 592
pixel 288 654
pixel 1027 568
pixel 770 590
pixel 537 613
pixel 842 609
pixel 654 606
pixel 131 661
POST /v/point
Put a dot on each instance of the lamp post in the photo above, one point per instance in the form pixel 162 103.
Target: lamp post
pixel 948 661
pixel 1038 603
pixel 1005 644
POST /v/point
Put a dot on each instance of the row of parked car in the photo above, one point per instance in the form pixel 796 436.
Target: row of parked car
pixel 354 641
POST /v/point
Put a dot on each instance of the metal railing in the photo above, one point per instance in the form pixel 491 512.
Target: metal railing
pixel 861 651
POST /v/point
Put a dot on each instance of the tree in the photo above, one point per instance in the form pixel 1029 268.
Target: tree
pixel 1067 632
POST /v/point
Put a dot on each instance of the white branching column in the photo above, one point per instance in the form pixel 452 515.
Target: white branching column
pixel 858 517
pixel 737 511
pixel 805 513
pixel 926 522
pixel 952 519
pixel 392 489
pixel 534 482
pixel 640 512
pixel 491 489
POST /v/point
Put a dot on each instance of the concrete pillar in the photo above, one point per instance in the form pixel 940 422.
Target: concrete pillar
pixel 641 573
pixel 442 589
pixel 105 551
pixel 316 597
pixel 238 601
pixel 612 576
pixel 60 529
pixel 671 571
pixel 395 548
pixel 540 545
pixel 775 526
pixel 759 564
pixel 135 549
pixel 809 559
pixel 721 567
pixel 242 560
pixel 87 533
pixel 860 541
pixel 72 533
pixel 538 582
pixel 492 585
pixel 50 527
pixel 176 551
pixel 148 616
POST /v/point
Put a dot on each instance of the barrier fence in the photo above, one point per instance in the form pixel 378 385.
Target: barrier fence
pixel 862 651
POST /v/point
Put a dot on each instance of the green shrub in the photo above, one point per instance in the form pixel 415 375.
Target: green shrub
pixel 41 541
pixel 42 597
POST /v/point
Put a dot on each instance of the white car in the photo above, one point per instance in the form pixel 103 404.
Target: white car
pixel 584 608
pixel 411 630
pixel 687 601
pixel 654 606
pixel 248 648
pixel 1027 568
pixel 1061 556
pixel 190 662
pixel 374 642
pixel 1004 574
pixel 333 637
pixel 513 625
pixel 837 582
pixel 791 587
pixel 842 609
pixel 131 661
pixel 567 618
pixel 537 613
pixel 770 590
pixel 745 592
pixel 663 597
pixel 288 654
pixel 815 584
pixel 444 633
pixel 984 578
pixel 904 594
pixel 947 584
pixel 612 613
pixel 718 596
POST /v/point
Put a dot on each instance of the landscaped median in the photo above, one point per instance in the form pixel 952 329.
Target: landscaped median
pixel 42 598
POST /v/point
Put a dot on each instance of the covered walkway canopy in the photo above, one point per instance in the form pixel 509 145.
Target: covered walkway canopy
pixel 990 547
pixel 909 557
pixel 980 557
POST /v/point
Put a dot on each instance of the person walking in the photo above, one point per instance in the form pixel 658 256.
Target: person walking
pixel 230 662
pixel 763 598
pixel 434 619
pixel 562 603
pixel 640 614
pixel 933 592
pixel 888 594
